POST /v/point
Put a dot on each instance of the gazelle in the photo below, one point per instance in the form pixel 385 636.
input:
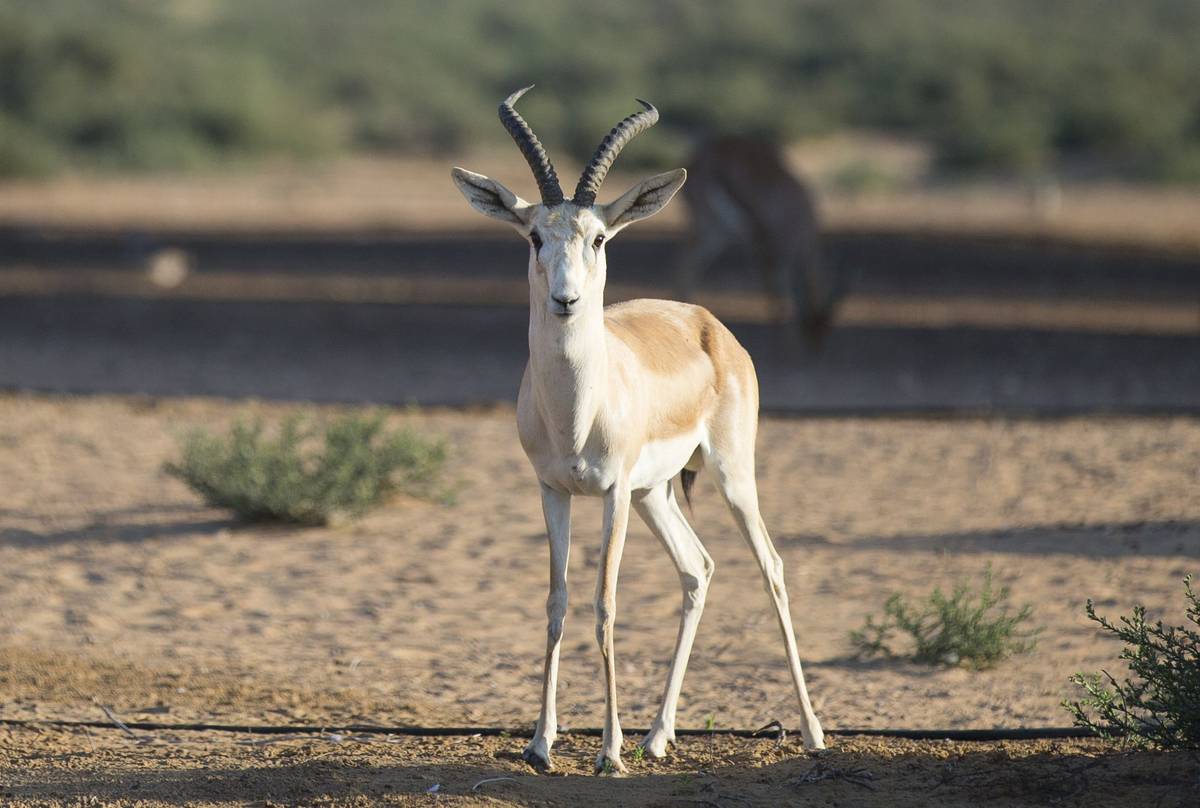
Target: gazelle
pixel 741 192
pixel 615 403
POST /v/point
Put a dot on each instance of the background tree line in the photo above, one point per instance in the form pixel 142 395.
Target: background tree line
pixel 1088 87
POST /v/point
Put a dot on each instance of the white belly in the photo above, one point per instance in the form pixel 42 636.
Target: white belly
pixel 661 460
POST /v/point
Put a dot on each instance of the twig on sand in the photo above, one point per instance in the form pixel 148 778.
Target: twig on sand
pixel 320 755
pixel 821 771
pixel 493 780
pixel 267 741
pixel 91 743
pixel 120 724
pixel 780 732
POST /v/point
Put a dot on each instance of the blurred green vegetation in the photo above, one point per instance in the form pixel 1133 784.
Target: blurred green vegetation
pixel 1016 86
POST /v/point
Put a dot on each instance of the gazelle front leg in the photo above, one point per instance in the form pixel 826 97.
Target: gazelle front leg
pixel 556 507
pixel 616 519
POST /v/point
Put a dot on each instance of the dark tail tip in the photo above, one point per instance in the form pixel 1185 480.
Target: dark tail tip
pixel 687 479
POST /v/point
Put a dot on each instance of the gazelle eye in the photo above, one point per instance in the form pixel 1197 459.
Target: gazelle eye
pixel 598 242
pixel 535 239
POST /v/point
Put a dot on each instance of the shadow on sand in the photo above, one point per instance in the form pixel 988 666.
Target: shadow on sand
pixel 1167 538
pixel 121 525
pixel 722 772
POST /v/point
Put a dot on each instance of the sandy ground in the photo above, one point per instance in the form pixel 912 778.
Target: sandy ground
pixel 120 587
pixel 103 767
pixel 121 591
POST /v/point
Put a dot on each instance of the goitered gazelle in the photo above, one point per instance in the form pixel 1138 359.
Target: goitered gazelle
pixel 742 193
pixel 615 403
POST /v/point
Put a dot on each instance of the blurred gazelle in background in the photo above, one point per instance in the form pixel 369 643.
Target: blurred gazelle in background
pixel 741 192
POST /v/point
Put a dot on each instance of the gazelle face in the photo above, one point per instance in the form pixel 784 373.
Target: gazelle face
pixel 567 269
pixel 566 258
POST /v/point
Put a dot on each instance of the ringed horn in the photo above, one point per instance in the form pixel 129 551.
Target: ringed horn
pixel 607 151
pixel 532 149
pixel 593 176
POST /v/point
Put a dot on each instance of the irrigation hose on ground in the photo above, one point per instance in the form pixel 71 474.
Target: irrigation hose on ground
pixel 772 730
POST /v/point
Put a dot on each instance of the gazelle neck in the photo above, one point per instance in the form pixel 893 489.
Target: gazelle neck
pixel 568 358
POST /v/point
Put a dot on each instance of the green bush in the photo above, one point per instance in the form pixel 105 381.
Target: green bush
pixel 975 630
pixel 286 476
pixel 1160 704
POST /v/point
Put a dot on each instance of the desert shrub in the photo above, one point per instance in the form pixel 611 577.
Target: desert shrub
pixel 289 475
pixel 968 628
pixel 1159 705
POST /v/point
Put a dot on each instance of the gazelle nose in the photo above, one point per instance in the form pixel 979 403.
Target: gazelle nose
pixel 566 302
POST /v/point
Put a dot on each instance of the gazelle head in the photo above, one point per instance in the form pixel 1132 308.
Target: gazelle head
pixel 567 236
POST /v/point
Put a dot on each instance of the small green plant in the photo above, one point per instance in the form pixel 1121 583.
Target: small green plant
pixel 710 723
pixel 291 476
pixel 639 753
pixel 1160 704
pixel 972 629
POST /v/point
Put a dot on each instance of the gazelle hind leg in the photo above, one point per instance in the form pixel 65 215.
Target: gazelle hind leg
pixel 660 511
pixel 738 486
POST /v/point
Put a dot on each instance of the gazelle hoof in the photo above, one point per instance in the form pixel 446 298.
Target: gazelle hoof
pixel 655 744
pixel 537 759
pixel 610 767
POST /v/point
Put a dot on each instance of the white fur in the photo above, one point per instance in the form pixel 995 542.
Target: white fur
pixel 661 460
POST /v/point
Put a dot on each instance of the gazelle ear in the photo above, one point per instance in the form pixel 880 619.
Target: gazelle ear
pixel 491 198
pixel 646 198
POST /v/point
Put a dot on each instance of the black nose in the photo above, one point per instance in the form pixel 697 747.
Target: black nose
pixel 566 303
